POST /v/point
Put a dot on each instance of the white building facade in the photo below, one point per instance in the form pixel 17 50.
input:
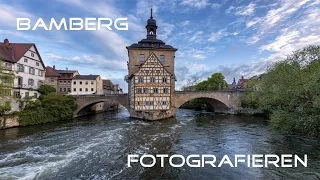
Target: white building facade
pixel 29 71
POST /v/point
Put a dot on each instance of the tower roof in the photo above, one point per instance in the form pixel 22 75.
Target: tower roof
pixel 151 41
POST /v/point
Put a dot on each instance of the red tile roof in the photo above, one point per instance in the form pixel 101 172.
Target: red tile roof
pixel 50 72
pixel 19 50
pixel 6 54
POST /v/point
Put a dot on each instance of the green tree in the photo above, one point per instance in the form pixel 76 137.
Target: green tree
pixel 290 93
pixel 51 107
pixel 6 84
pixel 46 89
pixel 215 82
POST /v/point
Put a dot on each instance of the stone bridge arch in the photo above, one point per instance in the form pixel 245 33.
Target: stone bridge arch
pixel 221 101
pixel 84 101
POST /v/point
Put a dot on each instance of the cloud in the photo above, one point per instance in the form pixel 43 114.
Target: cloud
pixel 215 36
pixel 199 4
pixel 242 10
pixel 10 14
pixel 215 5
pixel 196 36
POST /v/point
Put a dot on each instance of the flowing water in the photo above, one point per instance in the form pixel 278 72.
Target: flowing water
pixel 96 147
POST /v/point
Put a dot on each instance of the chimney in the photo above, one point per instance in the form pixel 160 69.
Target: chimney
pixel 54 67
pixel 6 42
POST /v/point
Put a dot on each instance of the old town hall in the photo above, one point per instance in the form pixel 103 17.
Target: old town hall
pixel 151 79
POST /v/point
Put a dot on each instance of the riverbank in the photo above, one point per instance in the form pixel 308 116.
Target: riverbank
pixel 9 121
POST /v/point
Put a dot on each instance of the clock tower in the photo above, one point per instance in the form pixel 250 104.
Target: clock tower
pixel 151 78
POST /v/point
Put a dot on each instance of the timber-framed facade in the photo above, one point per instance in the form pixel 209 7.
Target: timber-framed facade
pixel 151 79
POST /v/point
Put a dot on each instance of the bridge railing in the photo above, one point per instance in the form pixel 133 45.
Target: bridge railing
pixel 230 90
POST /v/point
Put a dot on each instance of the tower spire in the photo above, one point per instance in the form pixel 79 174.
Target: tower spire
pixel 151 14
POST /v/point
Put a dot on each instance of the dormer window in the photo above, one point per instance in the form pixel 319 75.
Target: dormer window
pixel 141 57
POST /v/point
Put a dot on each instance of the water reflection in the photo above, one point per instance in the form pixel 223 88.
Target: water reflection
pixel 96 147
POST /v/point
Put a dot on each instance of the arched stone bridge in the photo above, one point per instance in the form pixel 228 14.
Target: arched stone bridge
pixel 221 101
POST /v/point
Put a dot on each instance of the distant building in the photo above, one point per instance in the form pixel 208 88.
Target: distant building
pixel 242 83
pixel 87 84
pixel 233 85
pixel 24 60
pixel 108 87
pixel 51 77
pixel 65 78
pixel 117 89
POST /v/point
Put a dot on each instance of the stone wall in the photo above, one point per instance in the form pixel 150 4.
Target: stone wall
pixel 9 121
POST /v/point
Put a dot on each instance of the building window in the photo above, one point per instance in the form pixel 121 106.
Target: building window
pixel 147 102
pixel 158 71
pixel 164 102
pixel 26 95
pixel 141 57
pixel 40 73
pixel 138 102
pixel 37 64
pixel 64 89
pixel 155 90
pixel 74 83
pixel 20 68
pixel 92 89
pixel 69 82
pixel 64 82
pixel 20 81
pixel 161 58
pixel 165 90
pixel 87 83
pixel 80 89
pixel 31 71
pixel 145 90
pixel 25 60
pixel 92 82
pixel 74 89
pixel 80 82
pixel 39 83
pixel 8 66
pixel 140 79
pixel 69 89
pixel 87 89
pixel 152 79
pixel 139 90
pixel 147 71
pixel 35 95
pixel 52 80
pixel 17 94
pixel 32 54
pixel 30 82
pixel 60 89
pixel 164 79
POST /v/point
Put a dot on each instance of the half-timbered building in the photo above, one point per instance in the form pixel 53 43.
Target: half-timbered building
pixel 151 78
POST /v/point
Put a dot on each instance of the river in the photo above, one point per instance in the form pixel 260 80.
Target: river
pixel 96 147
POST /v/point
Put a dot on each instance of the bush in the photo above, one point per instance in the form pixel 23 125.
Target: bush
pixel 290 93
pixel 51 107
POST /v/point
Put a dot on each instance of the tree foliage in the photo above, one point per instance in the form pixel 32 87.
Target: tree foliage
pixel 51 107
pixel 6 84
pixel 46 89
pixel 290 93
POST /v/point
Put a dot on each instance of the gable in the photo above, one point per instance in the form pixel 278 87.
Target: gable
pixel 152 63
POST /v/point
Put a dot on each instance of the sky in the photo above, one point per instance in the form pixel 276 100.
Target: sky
pixel 237 38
